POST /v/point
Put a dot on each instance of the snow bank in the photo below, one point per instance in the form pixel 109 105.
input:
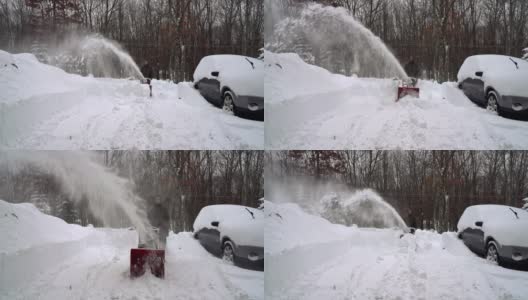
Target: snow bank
pixel 499 222
pixel 23 76
pixel 33 242
pixel 235 222
pixel 288 76
pixel 242 74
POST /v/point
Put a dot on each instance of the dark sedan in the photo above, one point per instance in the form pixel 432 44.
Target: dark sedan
pixel 496 82
pixel 232 82
pixel 497 232
pixel 233 232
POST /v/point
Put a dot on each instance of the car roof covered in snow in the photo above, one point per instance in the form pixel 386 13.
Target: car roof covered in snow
pixel 242 224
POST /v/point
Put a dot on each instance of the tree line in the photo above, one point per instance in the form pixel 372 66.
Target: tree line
pixel 428 188
pixel 172 35
pixel 182 182
pixel 437 34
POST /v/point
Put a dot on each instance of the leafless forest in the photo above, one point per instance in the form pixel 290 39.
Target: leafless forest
pixel 428 188
pixel 439 34
pixel 182 181
pixel 173 35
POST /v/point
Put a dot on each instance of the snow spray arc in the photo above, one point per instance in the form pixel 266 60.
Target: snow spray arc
pixel 107 58
pixel 110 197
pixel 333 39
pixel 364 208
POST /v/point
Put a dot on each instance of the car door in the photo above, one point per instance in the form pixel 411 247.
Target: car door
pixel 209 239
pixel 474 89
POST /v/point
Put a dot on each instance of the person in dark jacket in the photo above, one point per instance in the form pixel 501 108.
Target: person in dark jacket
pixel 147 70
pixel 411 68
pixel 159 217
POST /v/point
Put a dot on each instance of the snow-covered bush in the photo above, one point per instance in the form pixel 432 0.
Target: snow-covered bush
pixel 525 53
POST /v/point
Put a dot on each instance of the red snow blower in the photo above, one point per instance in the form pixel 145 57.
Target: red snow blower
pixel 142 259
pixel 408 88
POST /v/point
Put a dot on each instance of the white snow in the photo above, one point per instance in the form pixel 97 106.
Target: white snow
pixel 357 263
pixel 235 222
pixel 307 107
pixel 235 72
pixel 73 262
pixel 42 107
pixel 499 222
pixel 499 72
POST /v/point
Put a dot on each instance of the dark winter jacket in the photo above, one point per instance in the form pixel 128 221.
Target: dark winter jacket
pixel 411 68
pixel 147 71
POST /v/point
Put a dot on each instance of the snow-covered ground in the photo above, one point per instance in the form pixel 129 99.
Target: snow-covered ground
pixel 43 107
pixel 42 257
pixel 308 257
pixel 308 107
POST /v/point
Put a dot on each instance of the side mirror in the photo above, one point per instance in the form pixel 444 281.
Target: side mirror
pixel 478 223
pixel 479 74
pixel 215 73
pixel 214 223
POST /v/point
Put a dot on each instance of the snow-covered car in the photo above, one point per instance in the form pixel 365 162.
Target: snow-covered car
pixel 233 232
pixel 496 81
pixel 233 82
pixel 498 232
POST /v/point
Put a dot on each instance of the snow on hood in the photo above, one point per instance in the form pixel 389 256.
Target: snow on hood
pixel 242 74
pixel 23 226
pixel 235 222
pixel 499 222
pixel 499 72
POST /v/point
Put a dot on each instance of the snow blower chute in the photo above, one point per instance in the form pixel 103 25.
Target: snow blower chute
pixel 408 88
pixel 142 259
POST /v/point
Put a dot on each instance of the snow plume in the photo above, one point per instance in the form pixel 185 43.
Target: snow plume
pixel 110 197
pixel 331 38
pixel 338 203
pixel 364 208
pixel 85 53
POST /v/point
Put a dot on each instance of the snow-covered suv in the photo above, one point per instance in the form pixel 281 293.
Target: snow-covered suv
pixel 233 232
pixel 233 82
pixel 498 232
pixel 496 81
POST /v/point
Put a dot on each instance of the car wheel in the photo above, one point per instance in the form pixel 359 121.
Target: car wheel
pixel 228 104
pixel 228 253
pixel 492 103
pixel 492 255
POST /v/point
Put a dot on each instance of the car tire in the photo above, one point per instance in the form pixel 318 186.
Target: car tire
pixel 492 103
pixel 492 253
pixel 228 252
pixel 228 103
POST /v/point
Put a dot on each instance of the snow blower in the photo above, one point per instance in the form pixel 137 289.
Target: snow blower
pixel 408 88
pixel 142 259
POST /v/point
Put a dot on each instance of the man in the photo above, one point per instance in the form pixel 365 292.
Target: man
pixel 148 73
pixel 411 68
pixel 159 217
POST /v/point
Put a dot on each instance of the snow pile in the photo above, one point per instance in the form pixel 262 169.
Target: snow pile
pixel 42 107
pixel 341 112
pixel 244 225
pixel 23 226
pixel 242 74
pixel 506 224
pixel 506 74
pixel 356 263
pixel 33 243
pixel 22 76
